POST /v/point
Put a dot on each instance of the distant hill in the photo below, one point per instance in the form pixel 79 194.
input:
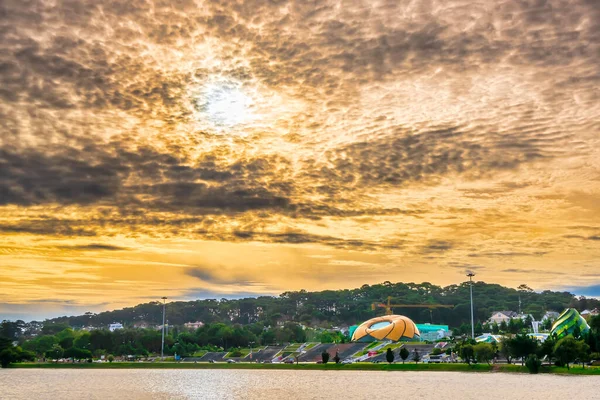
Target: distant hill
pixel 344 307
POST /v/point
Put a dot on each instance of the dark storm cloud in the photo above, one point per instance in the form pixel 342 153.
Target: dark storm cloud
pixel 30 177
pixel 50 226
pixel 592 237
pixel 531 271
pixel 304 238
pixel 96 246
pixel 501 254
pixel 437 246
pixel 459 265
pixel 98 174
pixel 212 275
pixel 409 157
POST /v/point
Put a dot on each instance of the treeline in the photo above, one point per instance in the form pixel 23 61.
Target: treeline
pixel 345 307
pixel 576 347
pixel 61 341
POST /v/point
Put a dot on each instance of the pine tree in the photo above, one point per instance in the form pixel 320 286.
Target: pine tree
pixel 389 355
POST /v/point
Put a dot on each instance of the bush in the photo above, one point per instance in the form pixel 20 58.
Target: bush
pixel 7 356
pixel 436 351
pixel 389 356
pixel 404 353
pixel 484 352
pixel 416 356
pixel 325 357
pixel 236 353
pixel 533 364
pixel 337 358
pixel 111 358
pixel 467 353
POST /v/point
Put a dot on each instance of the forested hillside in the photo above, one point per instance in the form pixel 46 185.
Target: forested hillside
pixel 344 307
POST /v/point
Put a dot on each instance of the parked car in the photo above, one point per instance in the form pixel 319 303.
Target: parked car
pixel 289 361
pixel 230 361
pixel 436 358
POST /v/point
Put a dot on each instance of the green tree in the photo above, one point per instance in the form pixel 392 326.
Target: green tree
pixel 11 330
pixel 7 356
pixel 523 345
pixel 54 328
pixel 389 355
pixel 583 352
pixel 467 353
pixel 44 344
pixel 5 343
pixel 77 354
pixel 484 352
pixel 566 350
pixel 505 348
pixel 495 328
pixel 326 337
pixel 55 352
pixel 101 339
pixel 594 324
pixel 325 357
pixel 478 329
pixel 404 353
pixel 546 349
pixel 83 341
pixel 416 356
pixel 533 364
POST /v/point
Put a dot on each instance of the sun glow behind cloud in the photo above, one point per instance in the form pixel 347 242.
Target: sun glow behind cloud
pixel 225 104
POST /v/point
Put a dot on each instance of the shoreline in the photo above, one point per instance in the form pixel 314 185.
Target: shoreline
pixel 475 368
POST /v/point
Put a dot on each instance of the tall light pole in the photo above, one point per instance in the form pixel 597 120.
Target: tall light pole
pixel 471 275
pixel 162 344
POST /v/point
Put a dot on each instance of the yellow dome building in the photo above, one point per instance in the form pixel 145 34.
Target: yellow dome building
pixel 388 327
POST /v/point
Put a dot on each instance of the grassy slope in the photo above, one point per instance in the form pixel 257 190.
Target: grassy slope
pixel 327 367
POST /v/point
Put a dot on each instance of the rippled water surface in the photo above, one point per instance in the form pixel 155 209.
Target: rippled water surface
pixel 286 384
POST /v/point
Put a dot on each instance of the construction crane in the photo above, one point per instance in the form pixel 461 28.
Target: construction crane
pixel 388 307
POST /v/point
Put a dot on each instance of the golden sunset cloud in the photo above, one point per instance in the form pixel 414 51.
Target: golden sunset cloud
pixel 192 149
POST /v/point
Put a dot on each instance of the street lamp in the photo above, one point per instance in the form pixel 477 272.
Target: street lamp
pixel 471 275
pixel 162 344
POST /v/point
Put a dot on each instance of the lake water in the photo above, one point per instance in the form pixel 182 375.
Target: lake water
pixel 288 384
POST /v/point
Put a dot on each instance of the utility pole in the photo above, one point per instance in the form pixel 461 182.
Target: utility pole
pixel 162 345
pixel 471 275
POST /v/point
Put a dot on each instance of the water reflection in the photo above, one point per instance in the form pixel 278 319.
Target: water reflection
pixel 287 384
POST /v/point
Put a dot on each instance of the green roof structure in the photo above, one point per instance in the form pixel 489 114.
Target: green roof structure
pixel 567 322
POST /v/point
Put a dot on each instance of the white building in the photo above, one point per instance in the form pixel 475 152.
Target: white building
pixel 194 325
pixel 502 316
pixel 550 315
pixel 114 326
pixel 587 314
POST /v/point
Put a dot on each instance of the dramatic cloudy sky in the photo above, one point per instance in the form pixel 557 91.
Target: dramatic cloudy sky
pixel 196 148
